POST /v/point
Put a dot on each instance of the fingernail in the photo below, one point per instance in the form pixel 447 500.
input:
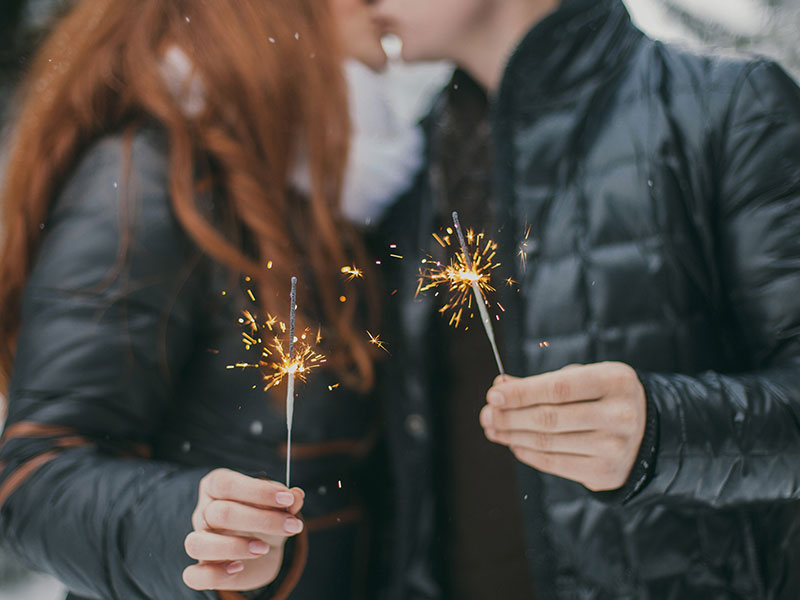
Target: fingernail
pixel 293 525
pixel 258 547
pixel 495 398
pixel 234 567
pixel 487 417
pixel 284 498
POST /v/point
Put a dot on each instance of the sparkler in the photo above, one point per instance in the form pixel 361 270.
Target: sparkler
pixel 473 276
pixel 278 363
pixel 468 277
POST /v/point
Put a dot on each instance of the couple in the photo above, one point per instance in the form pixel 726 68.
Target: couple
pixel 168 151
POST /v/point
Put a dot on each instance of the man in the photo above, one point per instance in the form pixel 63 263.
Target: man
pixel 646 201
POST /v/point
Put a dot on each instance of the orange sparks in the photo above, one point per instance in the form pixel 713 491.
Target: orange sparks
pixel 523 248
pixel 305 359
pixel 458 277
pixel 377 341
pixel 250 319
pixel 352 272
pixel 273 360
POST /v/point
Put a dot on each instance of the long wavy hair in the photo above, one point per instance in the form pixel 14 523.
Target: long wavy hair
pixel 273 90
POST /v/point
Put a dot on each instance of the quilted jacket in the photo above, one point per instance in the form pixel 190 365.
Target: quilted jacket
pixel 655 197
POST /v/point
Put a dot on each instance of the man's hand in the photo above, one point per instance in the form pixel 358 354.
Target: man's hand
pixel 240 527
pixel 583 422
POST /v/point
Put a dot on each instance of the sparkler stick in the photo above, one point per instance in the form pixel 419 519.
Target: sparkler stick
pixel 290 382
pixel 487 324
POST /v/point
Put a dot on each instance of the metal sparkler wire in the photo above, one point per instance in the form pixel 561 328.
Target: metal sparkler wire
pixel 290 382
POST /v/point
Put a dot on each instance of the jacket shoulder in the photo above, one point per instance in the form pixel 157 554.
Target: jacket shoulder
pixel 114 205
pixel 701 71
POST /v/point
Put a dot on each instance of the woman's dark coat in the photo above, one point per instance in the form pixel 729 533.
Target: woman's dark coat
pixel 662 193
pixel 121 401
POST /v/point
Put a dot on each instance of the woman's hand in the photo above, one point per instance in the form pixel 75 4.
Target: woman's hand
pixel 583 422
pixel 240 527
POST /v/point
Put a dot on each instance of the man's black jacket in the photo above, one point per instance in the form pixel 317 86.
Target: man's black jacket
pixel 660 194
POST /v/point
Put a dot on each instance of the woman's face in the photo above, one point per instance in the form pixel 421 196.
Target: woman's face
pixel 360 35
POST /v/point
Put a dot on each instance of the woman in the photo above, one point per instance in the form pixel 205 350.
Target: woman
pixel 146 194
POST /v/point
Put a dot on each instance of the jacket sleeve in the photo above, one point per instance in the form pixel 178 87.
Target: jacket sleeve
pixel 726 439
pixel 106 324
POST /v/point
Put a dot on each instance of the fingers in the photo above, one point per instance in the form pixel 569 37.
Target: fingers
pixel 210 546
pixel 576 384
pixel 504 377
pixel 224 484
pixel 232 516
pixel 210 576
pixel 569 466
pixel 236 575
pixel 548 418
pixel 590 443
pixel 299 498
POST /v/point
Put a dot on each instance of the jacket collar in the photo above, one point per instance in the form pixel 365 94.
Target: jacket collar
pixel 578 46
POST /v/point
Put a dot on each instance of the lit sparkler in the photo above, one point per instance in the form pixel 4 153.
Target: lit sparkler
pixel 278 362
pixel 468 277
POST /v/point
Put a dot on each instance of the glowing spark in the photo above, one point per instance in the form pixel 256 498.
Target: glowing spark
pixel 333 387
pixel 377 341
pixel 523 249
pixel 251 320
pixel 252 297
pixel 352 272
pixel 396 255
pixel 281 366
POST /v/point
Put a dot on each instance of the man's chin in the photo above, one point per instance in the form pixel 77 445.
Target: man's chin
pixel 412 55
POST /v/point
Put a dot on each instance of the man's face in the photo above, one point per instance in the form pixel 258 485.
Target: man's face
pixel 431 29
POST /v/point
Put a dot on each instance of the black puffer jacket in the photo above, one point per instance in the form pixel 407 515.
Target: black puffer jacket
pixel 121 401
pixel 662 192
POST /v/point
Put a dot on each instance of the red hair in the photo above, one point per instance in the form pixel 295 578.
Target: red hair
pixel 273 88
